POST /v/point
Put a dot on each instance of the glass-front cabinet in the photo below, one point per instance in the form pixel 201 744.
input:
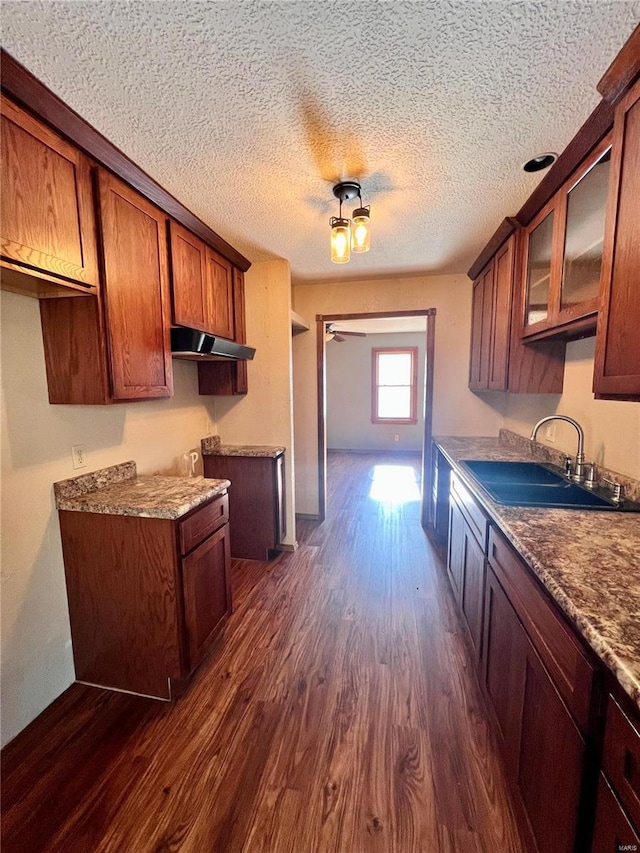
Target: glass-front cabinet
pixel 563 254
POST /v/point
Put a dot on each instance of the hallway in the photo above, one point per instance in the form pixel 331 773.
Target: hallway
pixel 340 713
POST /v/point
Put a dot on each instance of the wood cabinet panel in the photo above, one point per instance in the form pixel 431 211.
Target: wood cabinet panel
pixel 123 601
pixel 228 378
pixel 475 518
pixel 614 831
pixel 473 589
pixel 557 645
pixel 621 757
pixel 499 359
pixel 498 377
pixel 48 222
pixel 202 522
pixel 504 669
pixel 207 593
pixel 551 761
pixel 188 279
pixel 441 489
pixel 219 279
pixel 136 292
pixel 562 254
pixel 617 360
pixel 455 559
pixel 254 502
pixel 142 617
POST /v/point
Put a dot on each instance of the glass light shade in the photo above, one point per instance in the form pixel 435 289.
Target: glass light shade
pixel 361 231
pixel 340 240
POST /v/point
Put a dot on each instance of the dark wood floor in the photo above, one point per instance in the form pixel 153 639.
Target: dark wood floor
pixel 340 713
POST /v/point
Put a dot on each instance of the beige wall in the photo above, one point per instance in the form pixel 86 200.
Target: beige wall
pixel 37 663
pixel 265 415
pixel 349 424
pixel 456 410
pixel 612 428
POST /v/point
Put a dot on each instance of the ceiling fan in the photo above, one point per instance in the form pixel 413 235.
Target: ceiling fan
pixel 339 336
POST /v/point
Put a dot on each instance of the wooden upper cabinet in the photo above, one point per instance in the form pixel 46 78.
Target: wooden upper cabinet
pixel 617 360
pixel 48 222
pixel 219 278
pixel 188 279
pixel 563 250
pixel 491 322
pixel 135 291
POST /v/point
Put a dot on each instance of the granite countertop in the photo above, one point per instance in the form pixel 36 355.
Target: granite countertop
pixel 119 490
pixel 588 560
pixel 211 446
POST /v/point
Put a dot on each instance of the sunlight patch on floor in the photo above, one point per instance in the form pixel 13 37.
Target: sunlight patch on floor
pixel 394 484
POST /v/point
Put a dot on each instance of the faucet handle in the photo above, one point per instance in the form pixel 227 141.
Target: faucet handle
pixel 567 465
pixel 591 478
pixel 616 497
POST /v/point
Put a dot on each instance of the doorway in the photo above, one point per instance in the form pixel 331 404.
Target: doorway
pixel 321 321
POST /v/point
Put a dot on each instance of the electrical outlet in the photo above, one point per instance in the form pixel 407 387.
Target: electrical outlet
pixel 551 433
pixel 79 456
pixel 396 437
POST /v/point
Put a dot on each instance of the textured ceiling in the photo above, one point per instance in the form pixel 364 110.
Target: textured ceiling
pixel 249 111
pixel 382 325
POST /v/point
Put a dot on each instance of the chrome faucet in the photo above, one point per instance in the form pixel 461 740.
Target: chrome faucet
pixel 578 469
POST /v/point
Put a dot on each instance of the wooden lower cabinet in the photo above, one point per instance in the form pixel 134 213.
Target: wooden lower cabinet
pixel 537 674
pixel 441 483
pixel 466 566
pixel 147 596
pixel 256 502
pixel 614 831
pixel 544 751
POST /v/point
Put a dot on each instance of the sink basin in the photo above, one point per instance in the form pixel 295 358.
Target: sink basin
pixel 537 485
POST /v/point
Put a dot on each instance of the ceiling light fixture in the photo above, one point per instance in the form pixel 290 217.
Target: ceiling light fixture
pixel 347 237
pixel 542 161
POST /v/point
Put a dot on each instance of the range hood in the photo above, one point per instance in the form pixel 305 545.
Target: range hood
pixel 199 346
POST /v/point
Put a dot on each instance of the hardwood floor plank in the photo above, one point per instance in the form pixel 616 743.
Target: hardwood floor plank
pixel 338 713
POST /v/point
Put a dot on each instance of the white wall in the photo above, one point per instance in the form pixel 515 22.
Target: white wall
pixel 37 663
pixel 348 366
pixel 612 428
pixel 265 415
pixel 456 411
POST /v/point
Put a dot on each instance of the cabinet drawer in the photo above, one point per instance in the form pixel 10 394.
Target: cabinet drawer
pixel 553 639
pixel 202 522
pixel 621 758
pixel 473 514
pixel 613 831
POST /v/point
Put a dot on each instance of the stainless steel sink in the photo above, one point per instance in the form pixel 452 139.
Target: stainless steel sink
pixel 538 485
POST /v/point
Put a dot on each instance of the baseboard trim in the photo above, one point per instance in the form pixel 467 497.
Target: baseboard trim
pixel 287 547
pixel 307 516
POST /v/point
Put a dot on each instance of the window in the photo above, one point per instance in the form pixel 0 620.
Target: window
pixel 394 385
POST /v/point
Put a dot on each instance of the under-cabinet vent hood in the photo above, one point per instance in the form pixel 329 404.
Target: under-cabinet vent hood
pixel 199 346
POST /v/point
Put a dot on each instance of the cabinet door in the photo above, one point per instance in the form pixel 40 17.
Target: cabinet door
pixel 188 279
pixel 475 366
pixel 455 561
pixel 613 830
pixel 207 593
pixel 501 318
pixel 136 292
pixel 551 761
pixel 239 319
pixel 617 361
pixel 473 561
pixel 540 268
pixel 481 330
pixel 584 201
pixel 280 500
pixel 219 295
pixel 48 223
pixel 504 668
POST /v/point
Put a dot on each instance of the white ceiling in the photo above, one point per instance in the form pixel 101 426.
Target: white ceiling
pixel 248 112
